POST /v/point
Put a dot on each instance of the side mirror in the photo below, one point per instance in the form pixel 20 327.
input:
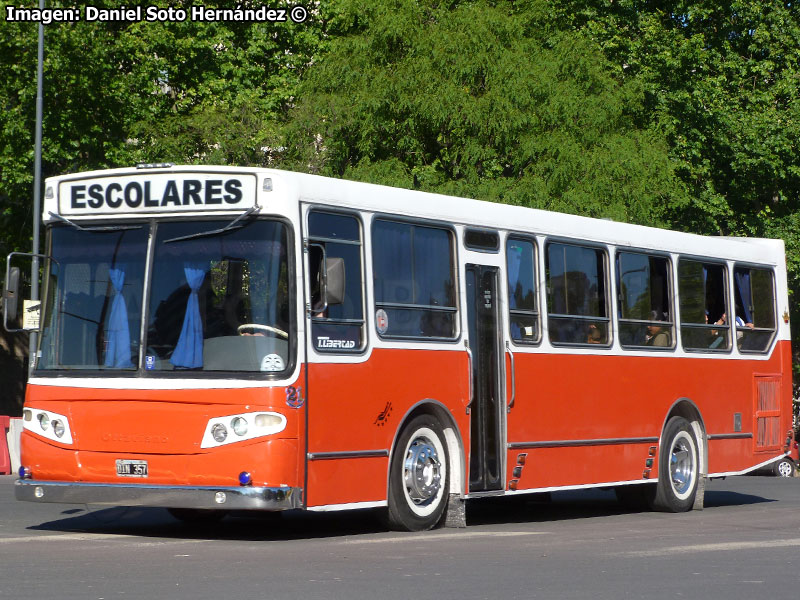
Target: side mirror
pixel 10 299
pixel 327 275
pixel 21 316
pixel 334 290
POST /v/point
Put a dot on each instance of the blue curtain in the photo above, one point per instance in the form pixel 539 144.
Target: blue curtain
pixel 742 280
pixel 118 349
pixel 188 353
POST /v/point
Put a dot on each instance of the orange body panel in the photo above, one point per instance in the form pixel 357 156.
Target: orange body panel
pixel 164 427
pixel 601 397
pixel 358 408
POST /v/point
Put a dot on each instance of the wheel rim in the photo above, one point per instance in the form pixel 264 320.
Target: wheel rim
pixel 423 472
pixel 785 469
pixel 682 465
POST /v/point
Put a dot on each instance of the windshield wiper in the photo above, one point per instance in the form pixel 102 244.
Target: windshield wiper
pixel 232 225
pixel 98 228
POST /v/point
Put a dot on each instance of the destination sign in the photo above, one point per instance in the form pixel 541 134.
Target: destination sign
pixel 158 192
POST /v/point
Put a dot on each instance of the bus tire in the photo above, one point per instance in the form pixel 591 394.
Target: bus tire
pixel 678 468
pixel 784 468
pixel 418 477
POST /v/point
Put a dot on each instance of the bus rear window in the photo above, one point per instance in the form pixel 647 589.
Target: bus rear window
pixel 754 296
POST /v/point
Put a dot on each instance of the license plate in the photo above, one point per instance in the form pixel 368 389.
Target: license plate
pixel 131 468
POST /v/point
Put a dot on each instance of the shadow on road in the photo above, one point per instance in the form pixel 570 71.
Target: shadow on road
pixel 298 525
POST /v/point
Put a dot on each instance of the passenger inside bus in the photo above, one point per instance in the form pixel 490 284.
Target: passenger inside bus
pixel 718 337
pixel 657 335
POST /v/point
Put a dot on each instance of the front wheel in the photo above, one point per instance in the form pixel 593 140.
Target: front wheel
pixel 418 477
pixel 678 467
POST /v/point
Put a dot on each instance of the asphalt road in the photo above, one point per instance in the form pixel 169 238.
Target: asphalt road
pixel 745 544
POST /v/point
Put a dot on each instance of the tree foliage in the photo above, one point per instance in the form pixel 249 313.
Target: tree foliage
pixel 722 82
pixel 682 113
pixel 469 98
pixel 117 93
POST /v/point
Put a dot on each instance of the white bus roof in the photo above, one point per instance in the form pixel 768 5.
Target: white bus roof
pixel 204 190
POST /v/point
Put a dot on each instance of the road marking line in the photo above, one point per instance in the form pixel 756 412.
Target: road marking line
pixel 429 537
pixel 719 547
pixel 88 537
pixel 432 537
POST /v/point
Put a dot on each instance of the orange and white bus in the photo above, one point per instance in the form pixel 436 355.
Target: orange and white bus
pixel 218 338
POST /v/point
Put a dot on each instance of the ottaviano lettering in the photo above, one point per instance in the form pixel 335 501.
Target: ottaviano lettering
pixel 135 194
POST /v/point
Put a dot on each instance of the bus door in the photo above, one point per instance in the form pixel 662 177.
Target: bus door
pixel 345 455
pixel 487 408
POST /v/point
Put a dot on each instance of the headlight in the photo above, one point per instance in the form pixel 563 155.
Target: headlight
pixel 219 432
pixel 239 425
pixel 246 426
pixel 47 424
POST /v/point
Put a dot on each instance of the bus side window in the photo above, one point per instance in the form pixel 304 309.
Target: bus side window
pixel 577 302
pixel 704 305
pixel 523 306
pixel 414 279
pixel 334 255
pixel 754 297
pixel 645 314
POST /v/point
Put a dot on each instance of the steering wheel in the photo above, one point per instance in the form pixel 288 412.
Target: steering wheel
pixel 263 329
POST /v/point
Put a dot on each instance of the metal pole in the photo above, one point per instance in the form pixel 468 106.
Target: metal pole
pixel 37 188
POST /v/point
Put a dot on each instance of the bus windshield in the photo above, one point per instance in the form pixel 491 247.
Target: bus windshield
pixel 217 301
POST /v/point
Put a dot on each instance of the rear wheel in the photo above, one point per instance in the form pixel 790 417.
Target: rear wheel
pixel 784 468
pixel 678 467
pixel 418 477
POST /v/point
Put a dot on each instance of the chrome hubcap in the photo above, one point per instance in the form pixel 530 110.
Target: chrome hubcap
pixel 681 465
pixel 422 471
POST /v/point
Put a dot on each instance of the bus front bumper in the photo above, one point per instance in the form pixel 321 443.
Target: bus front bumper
pixel 166 496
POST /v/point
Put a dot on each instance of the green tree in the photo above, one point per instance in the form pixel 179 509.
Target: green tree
pixel 477 99
pixel 722 81
pixel 117 93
